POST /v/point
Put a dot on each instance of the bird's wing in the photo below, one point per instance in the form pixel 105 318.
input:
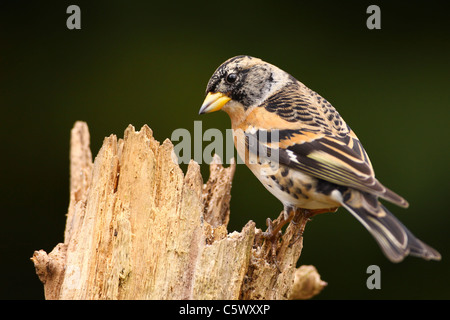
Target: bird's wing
pixel 319 142
pixel 296 103
pixel 341 161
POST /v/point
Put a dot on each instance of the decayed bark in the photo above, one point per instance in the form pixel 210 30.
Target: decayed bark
pixel 138 228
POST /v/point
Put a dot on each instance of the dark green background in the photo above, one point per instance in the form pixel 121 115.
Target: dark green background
pixel 145 63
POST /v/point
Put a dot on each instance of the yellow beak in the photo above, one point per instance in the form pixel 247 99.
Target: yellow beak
pixel 213 102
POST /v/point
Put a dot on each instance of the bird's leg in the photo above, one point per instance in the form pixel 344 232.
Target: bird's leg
pixel 319 211
pixel 273 231
pixel 302 215
pixel 305 215
pixel 272 234
pixel 309 213
pixel 289 214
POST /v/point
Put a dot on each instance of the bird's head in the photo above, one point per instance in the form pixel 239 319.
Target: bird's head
pixel 242 82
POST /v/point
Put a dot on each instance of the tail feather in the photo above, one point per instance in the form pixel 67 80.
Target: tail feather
pixel 394 239
pixel 391 196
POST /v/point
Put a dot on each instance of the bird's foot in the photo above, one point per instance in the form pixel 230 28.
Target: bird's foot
pixel 302 216
pixel 274 233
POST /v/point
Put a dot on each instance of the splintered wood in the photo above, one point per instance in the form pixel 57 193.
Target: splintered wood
pixel 139 228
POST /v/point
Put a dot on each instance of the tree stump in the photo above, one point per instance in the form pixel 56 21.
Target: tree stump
pixel 139 228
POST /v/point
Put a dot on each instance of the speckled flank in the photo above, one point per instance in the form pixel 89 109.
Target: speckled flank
pixel 292 188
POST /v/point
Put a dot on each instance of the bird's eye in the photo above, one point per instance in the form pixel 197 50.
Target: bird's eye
pixel 231 77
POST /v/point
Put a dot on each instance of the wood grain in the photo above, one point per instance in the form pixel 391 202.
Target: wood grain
pixel 139 228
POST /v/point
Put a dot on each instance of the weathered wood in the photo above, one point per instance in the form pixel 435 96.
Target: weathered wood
pixel 139 228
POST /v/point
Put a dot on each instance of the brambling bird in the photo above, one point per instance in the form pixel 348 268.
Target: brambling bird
pixel 320 163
